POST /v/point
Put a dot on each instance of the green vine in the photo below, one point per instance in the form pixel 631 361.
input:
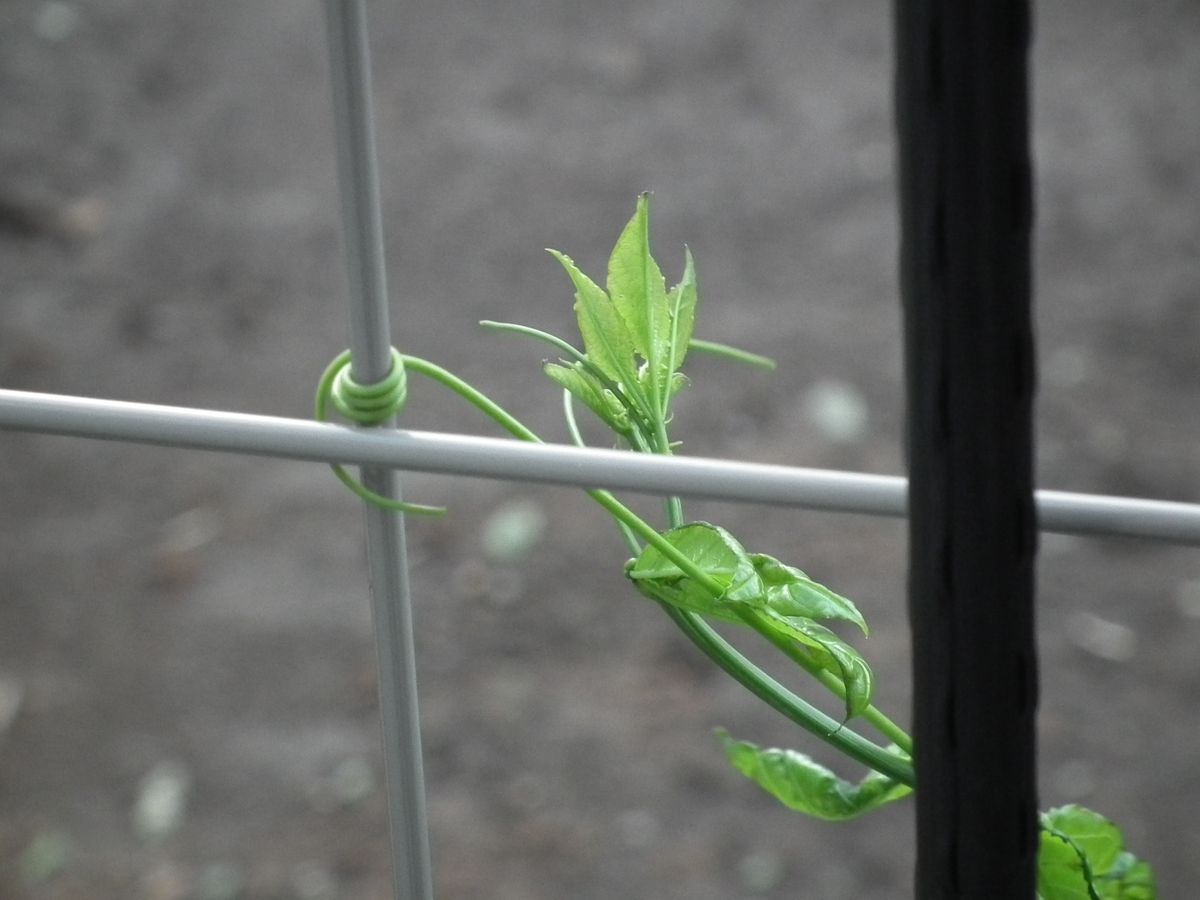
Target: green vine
pixel 636 334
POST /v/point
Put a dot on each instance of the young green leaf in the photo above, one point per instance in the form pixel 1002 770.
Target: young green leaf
pixel 606 340
pixel 1081 857
pixel 1096 837
pixel 1063 870
pixel 719 555
pixel 639 294
pixel 681 301
pixel 803 785
pixel 591 393
pixel 792 593
pixel 712 550
pixel 829 651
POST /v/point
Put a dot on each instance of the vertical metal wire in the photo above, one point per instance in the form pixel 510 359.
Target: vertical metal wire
pixel 350 74
pixel 965 186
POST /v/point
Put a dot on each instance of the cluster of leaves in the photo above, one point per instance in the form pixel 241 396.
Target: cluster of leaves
pixel 635 337
pixel 760 591
pixel 636 334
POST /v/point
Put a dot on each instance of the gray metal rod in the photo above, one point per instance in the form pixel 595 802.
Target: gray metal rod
pixel 370 342
pixel 358 181
pixel 480 457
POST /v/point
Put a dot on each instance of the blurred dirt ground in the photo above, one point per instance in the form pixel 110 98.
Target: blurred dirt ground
pixel 187 698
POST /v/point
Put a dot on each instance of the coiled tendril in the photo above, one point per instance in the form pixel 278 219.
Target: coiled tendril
pixel 365 404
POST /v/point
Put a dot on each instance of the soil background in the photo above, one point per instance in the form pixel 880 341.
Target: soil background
pixel 175 624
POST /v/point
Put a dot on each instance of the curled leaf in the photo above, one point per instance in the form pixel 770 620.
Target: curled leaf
pixel 830 652
pixel 716 553
pixel 804 785
pixel 759 591
pixel 792 593
pixel 588 390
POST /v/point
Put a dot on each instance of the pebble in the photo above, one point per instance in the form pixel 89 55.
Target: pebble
pixel 84 218
pixel 313 880
pixel 190 530
pixel 353 781
pixel 475 579
pixel 512 531
pixel 219 881
pixel 761 871
pixel 166 881
pixel 1068 366
pixel 639 828
pixel 161 803
pixel 1187 601
pixel 44 857
pixel 837 410
pixel 56 21
pixel 11 697
pixel 1102 638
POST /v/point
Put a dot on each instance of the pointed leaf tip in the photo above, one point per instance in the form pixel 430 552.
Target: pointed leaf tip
pixel 681 301
pixel 639 293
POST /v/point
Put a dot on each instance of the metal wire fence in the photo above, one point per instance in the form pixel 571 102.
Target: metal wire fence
pixel 385 450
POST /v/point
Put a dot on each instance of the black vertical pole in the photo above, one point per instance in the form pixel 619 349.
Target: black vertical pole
pixel 962 111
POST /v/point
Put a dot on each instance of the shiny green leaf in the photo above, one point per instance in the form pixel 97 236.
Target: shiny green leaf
pixel 803 785
pixel 639 294
pixel 681 303
pixel 591 393
pixel 606 340
pixel 748 582
pixel 792 593
pixel 716 553
pixel 830 652
pixel 1063 873
pixel 1081 857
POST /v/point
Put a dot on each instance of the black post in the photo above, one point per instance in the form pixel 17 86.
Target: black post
pixel 965 189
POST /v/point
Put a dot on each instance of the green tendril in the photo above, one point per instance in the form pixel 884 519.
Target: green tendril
pixel 366 405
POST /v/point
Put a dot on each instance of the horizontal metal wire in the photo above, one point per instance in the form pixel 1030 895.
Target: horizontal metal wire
pixel 455 454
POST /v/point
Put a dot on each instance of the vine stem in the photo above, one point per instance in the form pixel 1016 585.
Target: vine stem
pixel 836 686
pixel 830 681
pixel 695 628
